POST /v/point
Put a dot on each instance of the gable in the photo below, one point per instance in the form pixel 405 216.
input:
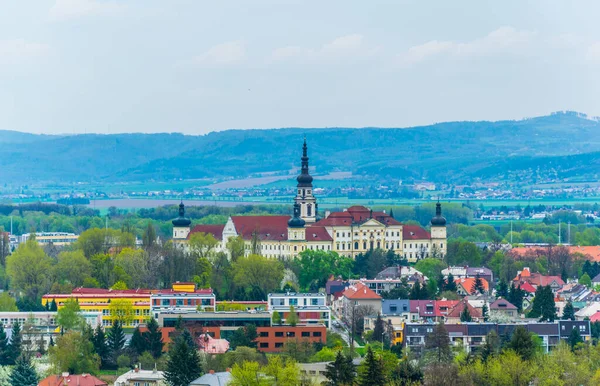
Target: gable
pixel 372 223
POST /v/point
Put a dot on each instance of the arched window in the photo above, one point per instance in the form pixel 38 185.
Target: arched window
pixel 378 245
pixel 309 210
pixel 356 245
pixel 364 245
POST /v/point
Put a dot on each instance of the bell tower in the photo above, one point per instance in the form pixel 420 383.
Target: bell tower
pixel 304 193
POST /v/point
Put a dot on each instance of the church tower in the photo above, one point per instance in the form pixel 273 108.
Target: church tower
pixel 438 231
pixel 181 225
pixel 304 193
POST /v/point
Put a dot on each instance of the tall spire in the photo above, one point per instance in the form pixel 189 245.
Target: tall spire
pixel 304 179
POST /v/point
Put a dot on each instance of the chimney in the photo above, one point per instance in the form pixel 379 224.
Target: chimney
pixel 212 372
pixel 327 213
pixel 228 369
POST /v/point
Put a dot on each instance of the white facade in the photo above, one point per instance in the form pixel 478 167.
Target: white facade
pixel 311 307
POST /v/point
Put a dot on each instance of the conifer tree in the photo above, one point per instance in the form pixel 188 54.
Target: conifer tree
pixel 485 312
pixel 189 340
pixel 100 346
pixel 183 365
pixel 371 370
pixel 568 311
pixel 478 286
pixel 154 339
pixel 137 342
pixel 379 329
pixel 53 306
pixel 502 290
pixel 340 372
pixel 450 284
pixel 465 315
pixel 438 342
pixel 15 346
pixel 115 341
pixel 23 374
pixel 4 347
pixel 522 343
pixel 574 338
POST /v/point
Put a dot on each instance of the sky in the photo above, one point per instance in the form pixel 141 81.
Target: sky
pixel 113 66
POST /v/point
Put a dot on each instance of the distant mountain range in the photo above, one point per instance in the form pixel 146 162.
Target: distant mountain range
pixel 562 144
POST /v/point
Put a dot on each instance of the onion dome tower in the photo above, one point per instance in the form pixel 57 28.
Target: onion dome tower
pixel 181 224
pixel 438 231
pixel 304 194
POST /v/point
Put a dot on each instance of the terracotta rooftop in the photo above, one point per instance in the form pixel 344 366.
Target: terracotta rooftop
pixel 469 282
pixel 74 380
pixel 360 291
pixel 460 306
pixel 414 232
pixel 317 233
pixel 272 228
pixel 215 230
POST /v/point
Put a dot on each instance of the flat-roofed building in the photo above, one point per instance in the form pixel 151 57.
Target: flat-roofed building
pixel 311 308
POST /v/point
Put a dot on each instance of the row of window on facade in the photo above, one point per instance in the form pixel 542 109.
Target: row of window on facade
pixel 137 312
pixel 294 302
pixel 367 234
pixel 290 334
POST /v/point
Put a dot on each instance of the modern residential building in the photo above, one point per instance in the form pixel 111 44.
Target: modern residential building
pixel 50 238
pixel 311 308
pixel 139 377
pixel 471 336
pixel 182 297
pixel 350 232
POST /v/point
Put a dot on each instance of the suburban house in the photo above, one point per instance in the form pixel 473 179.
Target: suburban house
pixel 465 272
pixel 139 377
pixel 466 286
pixel 453 315
pixel 72 379
pixel 503 309
pixel 536 279
pixel 355 296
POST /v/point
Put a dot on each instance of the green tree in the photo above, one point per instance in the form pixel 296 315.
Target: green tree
pixel 121 310
pixel 100 346
pixel 502 290
pixel 585 280
pixel 276 318
pixel 543 305
pixel 407 374
pixel 450 284
pixel 478 286
pixel 315 267
pixel 29 270
pixel 292 318
pixel 574 338
pixel 522 343
pixel 69 316
pixel 7 303
pixel 149 237
pixel 438 342
pixel 137 343
pixel 115 340
pixel 4 347
pixel 515 296
pixel 74 353
pixel 371 372
pixel 53 306
pixel 340 372
pixel 15 348
pixel 244 336
pixel 282 371
pixel 236 247
pixel 72 268
pixel 491 346
pixel 379 329
pixel 133 267
pixel 465 315
pixel 154 338
pixel 430 267
pixel 568 311
pixel 202 244
pixel 23 374
pixel 485 312
pixel 183 365
pixel 257 276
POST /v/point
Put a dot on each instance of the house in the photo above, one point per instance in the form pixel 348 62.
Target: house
pixel 466 286
pixel 72 379
pixel 397 272
pixel 210 345
pixel 453 315
pixel 465 272
pixel 536 279
pixel 139 377
pixel 430 310
pixel 358 295
pixel 503 309
pixel 596 280
pixel 213 378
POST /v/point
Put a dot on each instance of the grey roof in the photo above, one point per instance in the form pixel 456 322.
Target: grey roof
pixel 216 379
pixel 596 279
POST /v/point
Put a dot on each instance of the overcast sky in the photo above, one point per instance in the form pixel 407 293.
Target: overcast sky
pixel 75 66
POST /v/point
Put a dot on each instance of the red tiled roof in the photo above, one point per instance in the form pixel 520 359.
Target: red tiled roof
pixel 337 219
pixel 317 233
pixel 360 291
pixel 460 306
pixel 592 252
pixel 268 227
pixel 527 287
pixel 215 230
pixel 357 214
pixel 75 380
pixel 595 317
pixel 103 293
pixel 202 291
pixel 414 232
pixel 469 282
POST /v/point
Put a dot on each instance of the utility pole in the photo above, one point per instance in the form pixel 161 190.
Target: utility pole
pixel 559 232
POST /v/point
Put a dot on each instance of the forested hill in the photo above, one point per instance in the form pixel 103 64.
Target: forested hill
pixel 561 144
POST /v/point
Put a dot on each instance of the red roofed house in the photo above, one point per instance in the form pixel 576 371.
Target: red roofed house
pixel 453 315
pixel 430 310
pixel 350 232
pixel 358 296
pixel 466 286
pixel 72 380
pixel 537 279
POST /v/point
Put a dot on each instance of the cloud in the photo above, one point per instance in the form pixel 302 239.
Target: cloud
pixel 71 9
pixel 503 40
pixel 352 45
pixel 224 54
pixel 593 52
pixel 17 50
